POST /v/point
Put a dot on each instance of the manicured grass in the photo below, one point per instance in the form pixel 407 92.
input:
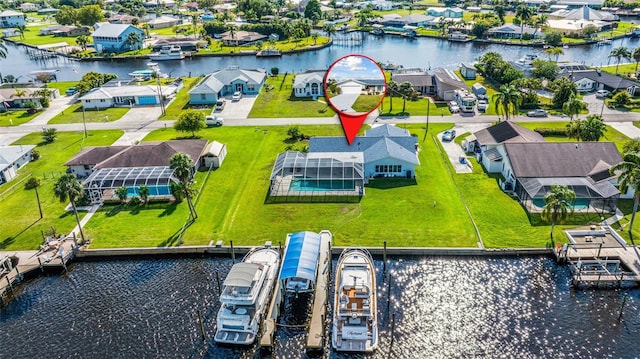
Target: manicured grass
pixel 610 135
pixel 217 47
pixel 73 114
pixel 279 101
pixel 366 103
pixel 412 108
pixel 181 102
pixel 62 86
pixel 32 37
pixel 21 227
pixel 15 118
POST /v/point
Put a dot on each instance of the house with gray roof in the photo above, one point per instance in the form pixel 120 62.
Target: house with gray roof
pixel 331 164
pixel 225 82
pixel 511 31
pixel 309 84
pixel 421 82
pixel 447 83
pixel 593 80
pixel 114 38
pixel 12 158
pixel 127 95
pixel 530 166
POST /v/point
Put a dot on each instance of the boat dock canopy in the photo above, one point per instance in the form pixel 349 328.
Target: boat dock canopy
pixel 301 257
pixel 241 275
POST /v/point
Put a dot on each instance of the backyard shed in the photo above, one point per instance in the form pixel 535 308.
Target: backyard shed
pixel 479 90
pixel 214 154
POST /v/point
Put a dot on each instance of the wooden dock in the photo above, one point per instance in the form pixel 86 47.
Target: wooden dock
pixel 600 257
pixel 54 258
pixel 271 317
pixel 315 336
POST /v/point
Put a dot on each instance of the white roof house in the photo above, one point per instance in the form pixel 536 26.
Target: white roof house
pixel 583 13
pixel 309 84
pixel 109 96
pixel 163 22
pixel 11 159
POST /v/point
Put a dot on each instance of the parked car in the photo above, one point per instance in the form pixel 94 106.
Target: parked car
pixel 220 104
pixel 602 93
pixel 214 121
pixel 448 135
pixel 71 91
pixel 537 113
pixel 482 105
pixel 33 110
pixel 236 96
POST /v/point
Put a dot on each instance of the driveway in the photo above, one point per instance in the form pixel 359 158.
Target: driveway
pixel 596 106
pixel 344 101
pixel 454 151
pixel 237 109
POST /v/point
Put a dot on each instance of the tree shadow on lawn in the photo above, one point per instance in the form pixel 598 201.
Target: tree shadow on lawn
pixel 11 239
pixel 389 183
pixel 169 209
pixel 172 239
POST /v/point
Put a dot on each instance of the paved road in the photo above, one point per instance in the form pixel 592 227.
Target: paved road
pixel 139 121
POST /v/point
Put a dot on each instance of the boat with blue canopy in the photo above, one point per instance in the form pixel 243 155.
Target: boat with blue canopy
pixel 300 263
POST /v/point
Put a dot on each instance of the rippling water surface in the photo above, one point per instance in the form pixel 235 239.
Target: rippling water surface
pixel 443 308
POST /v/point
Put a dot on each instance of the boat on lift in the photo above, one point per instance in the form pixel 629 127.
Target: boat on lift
pixel 168 52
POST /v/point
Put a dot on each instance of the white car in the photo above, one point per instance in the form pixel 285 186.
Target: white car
pixel 602 93
pixel 214 121
pixel 236 96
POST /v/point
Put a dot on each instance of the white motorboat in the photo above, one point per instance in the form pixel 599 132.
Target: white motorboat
pixel 355 325
pixel 245 297
pixel 173 52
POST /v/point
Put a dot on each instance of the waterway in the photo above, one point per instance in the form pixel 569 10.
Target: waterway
pixel 444 307
pixel 411 53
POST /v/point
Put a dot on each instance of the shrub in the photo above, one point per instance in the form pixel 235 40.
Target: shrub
pixel 35 154
pixel 135 201
pixel 622 98
pixel 49 134
pixel 551 131
pixel 32 183
pixel 275 71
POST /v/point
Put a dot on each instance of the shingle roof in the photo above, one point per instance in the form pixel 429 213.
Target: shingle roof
pixel 214 82
pixel 418 79
pixel 387 131
pixel 607 79
pixel 112 30
pixel 150 154
pixel 562 159
pixel 507 131
pixel 93 155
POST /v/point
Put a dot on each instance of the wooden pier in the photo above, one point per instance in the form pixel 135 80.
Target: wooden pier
pixel 600 257
pixel 271 317
pixel 53 258
pixel 315 336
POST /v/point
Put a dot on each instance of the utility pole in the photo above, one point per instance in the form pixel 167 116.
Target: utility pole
pixel 426 129
pixel 84 123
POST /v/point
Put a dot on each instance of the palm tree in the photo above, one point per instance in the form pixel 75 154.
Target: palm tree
pixel 194 20
pixel 181 164
pixel 121 193
pixel 34 183
pixel 540 22
pixel 68 187
pixel 558 203
pixel 524 13
pixel 329 29
pixel 573 106
pixel 508 99
pixel 133 40
pixel 314 37
pixel 636 57
pixel 18 93
pixel 392 89
pixel 619 53
pixel 555 51
pixel 500 10
pixel 144 193
pixel 3 50
pixel 82 41
pixel 233 30
pixel 628 175
pixel 405 89
pixel 21 29
pixel 145 27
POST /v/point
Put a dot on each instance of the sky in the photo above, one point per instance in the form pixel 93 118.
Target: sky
pixel 355 67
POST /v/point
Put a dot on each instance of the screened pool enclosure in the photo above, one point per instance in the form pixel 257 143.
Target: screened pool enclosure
pixel 101 184
pixel 321 175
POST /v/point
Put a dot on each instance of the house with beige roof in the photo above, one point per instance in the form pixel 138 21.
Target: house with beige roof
pixel 225 82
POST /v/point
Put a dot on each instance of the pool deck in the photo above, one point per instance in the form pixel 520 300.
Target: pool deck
pixel 283 188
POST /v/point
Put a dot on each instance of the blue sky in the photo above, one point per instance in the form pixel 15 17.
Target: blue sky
pixel 355 67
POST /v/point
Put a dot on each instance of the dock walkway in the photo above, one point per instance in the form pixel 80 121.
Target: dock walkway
pixel 315 335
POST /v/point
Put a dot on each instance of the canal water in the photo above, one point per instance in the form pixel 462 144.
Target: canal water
pixel 411 53
pixel 444 307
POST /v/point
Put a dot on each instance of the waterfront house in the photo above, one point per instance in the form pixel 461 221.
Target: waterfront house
pixel 576 26
pixel 12 158
pixel 447 82
pixel 127 95
pixel 28 6
pixel 309 84
pixel 113 38
pixel 241 37
pixel 163 22
pixel 9 100
pixel 446 12
pixel 468 71
pixel 107 168
pixel 582 13
pixel 383 5
pixel 575 4
pixel 71 31
pixel 421 82
pixel 225 82
pixel 10 18
pixel 167 4
pixel 10 32
pixel 121 19
pixel 47 11
pixel 331 164
pixel 48 30
pixel 593 80
pixel 511 31
pixel 185 44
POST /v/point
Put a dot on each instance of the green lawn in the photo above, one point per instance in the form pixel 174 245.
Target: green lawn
pixel 279 102
pixel 181 101
pixel 16 117
pixel 217 47
pixel 610 135
pixel 74 114
pixel 62 86
pixel 22 231
pixel 32 37
pixel 366 103
pixel 412 107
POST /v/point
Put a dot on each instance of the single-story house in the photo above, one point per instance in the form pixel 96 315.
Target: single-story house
pixel 114 38
pixel 370 86
pixel 576 4
pixel 383 5
pixel 47 11
pixel 447 82
pixel 576 26
pixel 28 6
pixel 593 80
pixel 241 38
pixel 9 100
pixel 164 22
pixel 107 168
pixel 168 4
pixel 10 32
pixel 126 95
pixel 11 159
pixel 121 19
pixel 10 18
pixel 468 71
pixel 226 82
pixel 421 82
pixel 48 30
pixel 446 12
pixel 583 13
pixel 333 166
pixel 185 45
pixel 309 84
pixel 71 31
pixel 511 31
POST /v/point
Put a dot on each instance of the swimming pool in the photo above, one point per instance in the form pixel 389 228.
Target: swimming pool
pixel 153 191
pixel 579 203
pixel 321 185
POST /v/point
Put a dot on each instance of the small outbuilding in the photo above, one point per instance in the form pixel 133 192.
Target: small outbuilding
pixel 214 154
pixel 468 71
pixel 479 90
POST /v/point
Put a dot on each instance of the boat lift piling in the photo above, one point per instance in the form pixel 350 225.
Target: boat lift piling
pixel 315 335
pixel 393 328
pixel 233 253
pixel 201 325
pixel 384 258
pixel 388 296
pixel 218 283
